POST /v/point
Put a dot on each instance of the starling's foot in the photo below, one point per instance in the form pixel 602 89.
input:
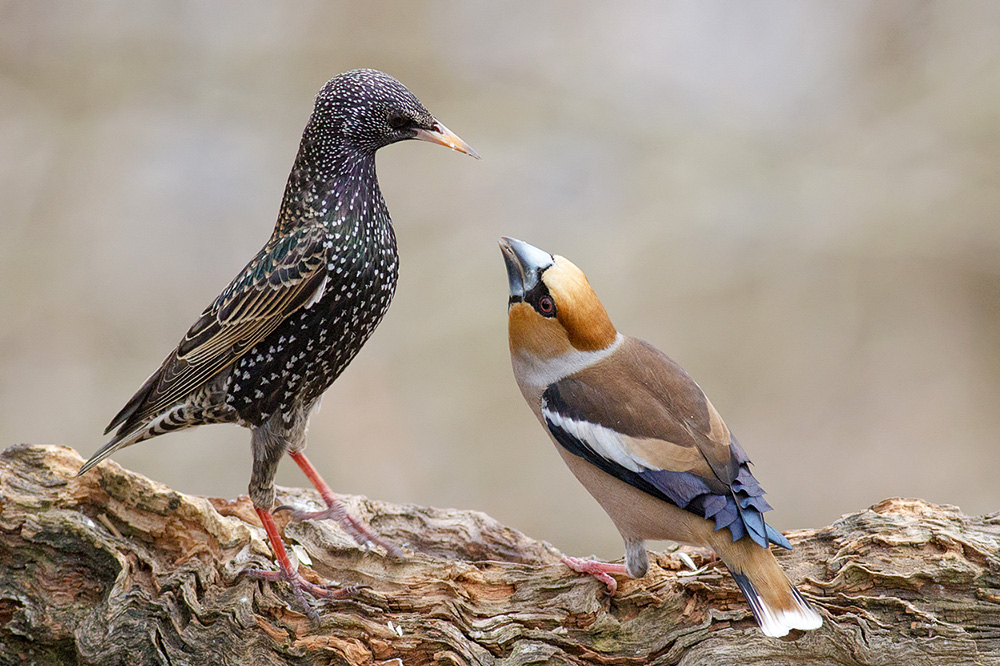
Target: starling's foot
pixel 336 511
pixel 289 575
pixel 599 570
pixel 300 586
pixel 360 532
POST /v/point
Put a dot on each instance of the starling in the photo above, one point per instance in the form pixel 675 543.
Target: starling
pixel 277 337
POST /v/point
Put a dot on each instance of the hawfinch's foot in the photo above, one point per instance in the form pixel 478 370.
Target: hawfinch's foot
pixel 599 570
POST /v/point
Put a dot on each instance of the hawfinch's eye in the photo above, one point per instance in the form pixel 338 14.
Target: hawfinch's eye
pixel 546 306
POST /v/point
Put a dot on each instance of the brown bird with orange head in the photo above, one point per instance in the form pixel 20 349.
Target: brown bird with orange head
pixel 641 436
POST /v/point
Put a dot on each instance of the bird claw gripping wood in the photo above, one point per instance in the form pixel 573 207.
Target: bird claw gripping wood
pixel 300 586
pixel 335 510
pixel 288 573
pixel 599 570
pixel 356 529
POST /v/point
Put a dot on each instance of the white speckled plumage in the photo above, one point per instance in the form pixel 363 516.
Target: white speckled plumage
pixel 284 329
pixel 274 340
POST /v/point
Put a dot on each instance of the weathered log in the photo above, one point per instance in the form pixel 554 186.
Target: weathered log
pixel 113 568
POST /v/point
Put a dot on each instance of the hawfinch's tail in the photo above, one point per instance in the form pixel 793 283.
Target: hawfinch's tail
pixel 776 604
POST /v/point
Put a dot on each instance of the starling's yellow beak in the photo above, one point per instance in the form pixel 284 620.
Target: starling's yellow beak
pixel 442 135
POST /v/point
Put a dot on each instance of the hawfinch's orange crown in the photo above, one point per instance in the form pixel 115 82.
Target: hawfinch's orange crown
pixel 552 309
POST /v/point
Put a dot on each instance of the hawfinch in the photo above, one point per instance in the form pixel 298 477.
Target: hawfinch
pixel 641 436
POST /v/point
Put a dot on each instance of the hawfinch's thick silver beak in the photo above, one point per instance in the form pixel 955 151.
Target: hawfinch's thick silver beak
pixel 525 264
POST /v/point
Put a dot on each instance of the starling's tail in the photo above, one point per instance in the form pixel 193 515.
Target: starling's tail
pixel 119 441
pixel 129 431
pixel 183 415
pixel 207 404
pixel 135 403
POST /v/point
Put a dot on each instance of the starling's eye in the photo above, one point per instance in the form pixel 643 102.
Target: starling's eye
pixel 397 120
pixel 546 306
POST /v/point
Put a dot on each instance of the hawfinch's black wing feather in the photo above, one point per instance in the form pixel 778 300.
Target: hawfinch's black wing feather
pixel 286 275
pixel 664 438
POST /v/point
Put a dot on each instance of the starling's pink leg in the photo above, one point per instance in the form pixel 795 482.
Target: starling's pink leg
pixel 290 575
pixel 599 570
pixel 337 511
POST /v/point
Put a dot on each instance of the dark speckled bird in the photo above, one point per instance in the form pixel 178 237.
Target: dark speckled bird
pixel 266 349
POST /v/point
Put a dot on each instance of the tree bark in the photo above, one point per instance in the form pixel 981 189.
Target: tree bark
pixel 112 568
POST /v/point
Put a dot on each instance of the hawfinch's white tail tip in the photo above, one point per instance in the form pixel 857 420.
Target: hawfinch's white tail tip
pixel 778 622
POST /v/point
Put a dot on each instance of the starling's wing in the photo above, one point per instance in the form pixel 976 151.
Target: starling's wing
pixel 289 273
pixel 639 417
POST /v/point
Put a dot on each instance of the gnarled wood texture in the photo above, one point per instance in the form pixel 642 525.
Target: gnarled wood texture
pixel 113 568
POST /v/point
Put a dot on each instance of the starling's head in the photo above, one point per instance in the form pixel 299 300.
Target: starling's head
pixel 552 311
pixel 369 109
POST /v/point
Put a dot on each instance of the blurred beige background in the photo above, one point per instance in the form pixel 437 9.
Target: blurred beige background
pixel 799 202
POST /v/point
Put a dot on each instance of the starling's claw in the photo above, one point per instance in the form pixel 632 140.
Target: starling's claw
pixel 295 579
pixel 392 550
pixel 357 530
pixel 300 586
pixel 288 573
pixel 337 514
pixel 336 511
pixel 348 590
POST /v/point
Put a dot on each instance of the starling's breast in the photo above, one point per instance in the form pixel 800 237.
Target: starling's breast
pixel 296 363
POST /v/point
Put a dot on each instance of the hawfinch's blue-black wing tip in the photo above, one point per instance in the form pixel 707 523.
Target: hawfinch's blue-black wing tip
pixel 777 538
pixel 743 512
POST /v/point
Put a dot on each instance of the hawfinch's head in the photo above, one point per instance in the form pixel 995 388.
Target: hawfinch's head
pixel 552 309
